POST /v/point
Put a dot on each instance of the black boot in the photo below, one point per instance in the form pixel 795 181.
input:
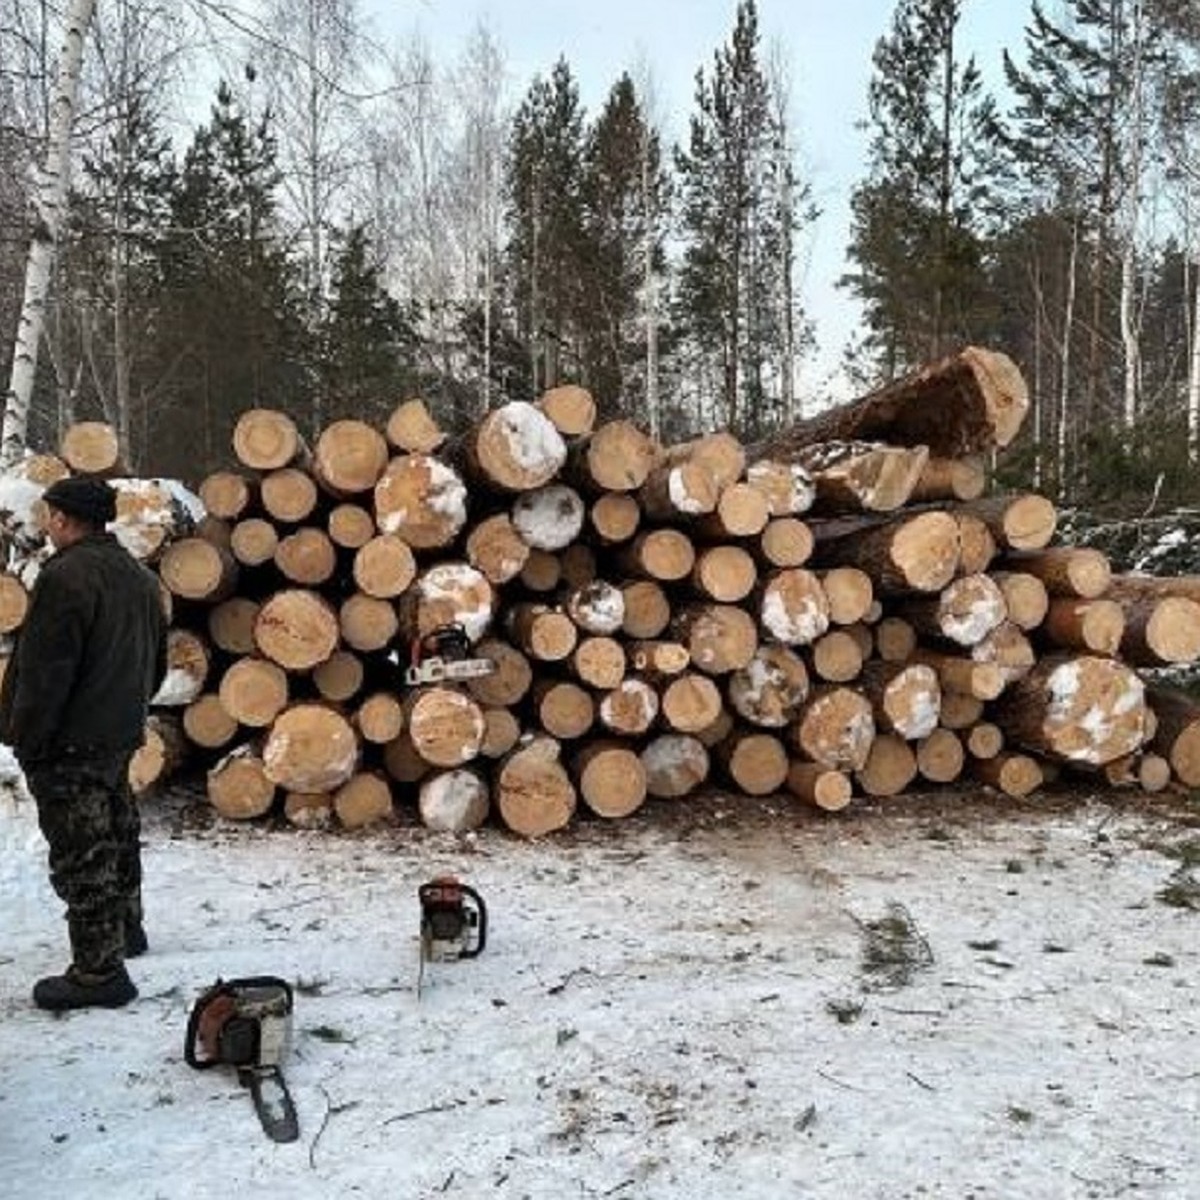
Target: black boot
pixel 79 989
pixel 135 941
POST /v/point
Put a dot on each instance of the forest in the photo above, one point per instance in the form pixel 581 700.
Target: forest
pixel 351 223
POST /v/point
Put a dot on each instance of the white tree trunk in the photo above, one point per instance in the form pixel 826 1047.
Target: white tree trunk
pixel 1193 400
pixel 49 202
pixel 1130 320
pixel 1065 384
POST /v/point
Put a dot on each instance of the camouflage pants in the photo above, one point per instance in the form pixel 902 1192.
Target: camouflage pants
pixel 90 821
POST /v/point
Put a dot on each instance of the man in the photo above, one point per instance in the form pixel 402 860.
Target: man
pixel 90 655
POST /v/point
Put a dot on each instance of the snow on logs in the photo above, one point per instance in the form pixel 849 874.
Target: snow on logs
pixel 838 609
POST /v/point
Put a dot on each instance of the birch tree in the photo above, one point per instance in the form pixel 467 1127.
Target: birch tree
pixel 49 200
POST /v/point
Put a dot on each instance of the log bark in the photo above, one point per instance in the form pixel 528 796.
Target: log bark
pixel 819 786
pixel 675 765
pixel 1076 709
pixel 411 429
pixel 1177 732
pixel 1021 522
pixel 254 691
pixel 297 629
pixel 534 795
pixel 612 779
pixel 771 689
pixel 238 786
pixel 835 729
pixel 549 518
pixel 1096 626
pixel 288 495
pixel 422 500
pixel 912 554
pixel 265 439
pixel 1159 630
pixel 691 703
pixel 890 767
pixel 365 799
pixel 446 726
pixel 1072 571
pixel 349 458
pixel 454 801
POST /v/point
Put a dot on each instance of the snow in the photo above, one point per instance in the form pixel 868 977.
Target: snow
pixel 446 494
pixel 18 498
pixel 681 499
pixel 794 624
pixel 549 518
pixel 969 628
pixel 178 688
pixel 676 1006
pixel 533 442
pixel 464 587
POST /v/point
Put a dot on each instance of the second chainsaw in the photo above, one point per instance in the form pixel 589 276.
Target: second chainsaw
pixel 444 656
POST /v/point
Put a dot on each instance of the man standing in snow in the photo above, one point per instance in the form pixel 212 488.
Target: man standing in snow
pixel 90 655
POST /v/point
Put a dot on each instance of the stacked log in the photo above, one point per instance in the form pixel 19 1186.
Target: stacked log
pixel 841 609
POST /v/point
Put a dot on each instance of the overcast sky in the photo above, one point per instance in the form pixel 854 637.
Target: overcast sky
pixel 826 46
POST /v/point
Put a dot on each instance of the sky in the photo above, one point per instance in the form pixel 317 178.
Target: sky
pixel 826 48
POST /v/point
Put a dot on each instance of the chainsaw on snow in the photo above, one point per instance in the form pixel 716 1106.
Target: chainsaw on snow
pixel 453 922
pixel 444 656
pixel 247 1024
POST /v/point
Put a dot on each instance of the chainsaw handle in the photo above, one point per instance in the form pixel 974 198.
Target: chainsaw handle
pixel 483 920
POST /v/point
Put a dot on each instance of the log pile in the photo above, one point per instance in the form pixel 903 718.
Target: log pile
pixel 840 610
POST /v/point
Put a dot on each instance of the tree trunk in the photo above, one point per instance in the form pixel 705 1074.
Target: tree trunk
pixel 289 495
pixel 612 779
pixel 267 440
pixel 454 801
pixel 918 553
pixel 497 550
pixel 1177 732
pixel 534 795
pixel 254 691
pixel 835 729
pixel 446 726
pixel 238 786
pixel 296 629
pixel 771 689
pixel 549 518
pixel 890 767
pixel 349 458
pixel 365 799
pixel 1077 571
pixel 675 765
pixel 421 500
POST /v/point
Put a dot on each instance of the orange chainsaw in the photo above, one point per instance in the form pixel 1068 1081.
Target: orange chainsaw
pixel 444 656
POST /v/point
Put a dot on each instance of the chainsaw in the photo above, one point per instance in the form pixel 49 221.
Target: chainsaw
pixel 247 1024
pixel 444 656
pixel 453 922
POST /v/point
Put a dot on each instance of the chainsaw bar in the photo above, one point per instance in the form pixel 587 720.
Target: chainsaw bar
pixel 272 1102
pixel 438 670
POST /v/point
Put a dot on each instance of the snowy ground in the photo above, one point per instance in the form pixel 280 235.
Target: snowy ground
pixel 679 1006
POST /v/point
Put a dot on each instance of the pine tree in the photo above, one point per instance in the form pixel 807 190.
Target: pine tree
pixel 918 220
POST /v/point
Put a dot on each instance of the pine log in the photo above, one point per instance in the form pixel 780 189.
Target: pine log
pixel 663 555
pixel 597 608
pixel 501 732
pixel 542 571
pixel 366 623
pixel 599 662
pixel 162 752
pixel 849 592
pixel 1072 571
pixel 691 703
pixel 296 629
pixel 895 639
pixel 516 448
pixel 454 801
pixel 231 625
pixel 985 739
pixel 630 708
pixel 579 565
pixel 890 767
pixel 964 404
pixel 1096 626
pixel 91 448
pixel 207 724
pixel 838 656
pixel 647 610
pixel 534 795
pixel 793 607
pixel 905 698
pixel 741 512
pixel 550 517
pixel 310 748
pixel 756 763
pixel 379 719
pixel 1025 598
pixel 819 786
pixel 673 493
pixel 238 786
pixel 508 682
pixel 254 691
pixel 571 408
pixel 786 486
pixel 365 799
pixel 720 453
pixel 950 479
pixel 720 638
pixel 253 542
pixel 402 762
pixel 308 810
pixel 14 603
pixel 955 674
pixel 149 515
pixel 188 665
pixel 611 779
pixel 1076 709
pixel 615 517
pixel 1020 522
pixel 349 458
pixel 497 550
pixel 965 611
pixel 350 526
pixel 726 574
pixel 862 477
pixel 306 557
pixel 1160 630
pixel 785 542
pixel 675 765
pixel 265 439
pixel 862 635
pixel 563 709
pixel 543 633
pixel 1177 732
pixel 917 553
pixel 421 500
pixel 1150 772
pixel 771 689
pixel 658 660
pixel 194 569
pixel 1014 774
pixel 450 593
pixel 445 725
pixel 339 677
pixel 1007 648
pixel 384 567
pixel 712 735
pixel 960 710
pixel 976 545
pixel 289 495
pixel 940 756
pixel 411 429
pixel 835 729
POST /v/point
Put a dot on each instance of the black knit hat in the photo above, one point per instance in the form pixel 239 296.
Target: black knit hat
pixel 90 500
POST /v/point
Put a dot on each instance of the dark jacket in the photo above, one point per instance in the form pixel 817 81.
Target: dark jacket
pixel 91 653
